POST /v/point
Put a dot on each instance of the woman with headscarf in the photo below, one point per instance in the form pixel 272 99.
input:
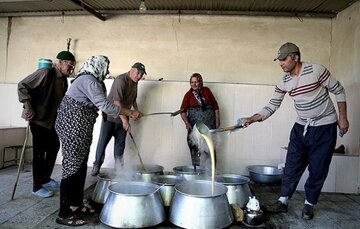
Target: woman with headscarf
pixel 199 105
pixel 75 121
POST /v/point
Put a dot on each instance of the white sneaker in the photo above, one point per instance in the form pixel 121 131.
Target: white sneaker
pixel 52 184
pixel 43 192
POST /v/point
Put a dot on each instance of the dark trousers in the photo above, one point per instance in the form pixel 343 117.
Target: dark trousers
pixel 72 190
pixel 45 149
pixel 109 130
pixel 314 150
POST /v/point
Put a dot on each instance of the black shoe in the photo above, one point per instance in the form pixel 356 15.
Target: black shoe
pixel 307 212
pixel 276 207
pixel 95 170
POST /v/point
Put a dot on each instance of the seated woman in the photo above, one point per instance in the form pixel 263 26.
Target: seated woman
pixel 199 105
pixel 75 121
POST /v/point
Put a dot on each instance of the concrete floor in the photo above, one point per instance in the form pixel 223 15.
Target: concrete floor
pixel 337 211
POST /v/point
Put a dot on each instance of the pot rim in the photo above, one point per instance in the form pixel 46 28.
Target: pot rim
pixel 179 170
pixel 153 168
pixel 106 177
pixel 137 183
pixel 252 169
pixel 176 179
pixel 216 184
pixel 246 180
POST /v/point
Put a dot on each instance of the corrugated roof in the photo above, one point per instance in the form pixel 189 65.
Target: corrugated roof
pixel 104 8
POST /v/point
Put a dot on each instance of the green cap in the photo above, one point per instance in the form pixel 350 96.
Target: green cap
pixel 65 55
pixel 285 50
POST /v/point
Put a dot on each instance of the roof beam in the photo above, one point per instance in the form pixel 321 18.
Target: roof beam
pixel 111 13
pixel 89 9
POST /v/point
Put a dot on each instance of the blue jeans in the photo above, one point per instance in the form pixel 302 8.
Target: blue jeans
pixel 314 150
pixel 109 130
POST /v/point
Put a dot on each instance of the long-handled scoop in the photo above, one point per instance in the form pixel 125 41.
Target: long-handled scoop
pixel 226 129
pixel 138 152
pixel 172 114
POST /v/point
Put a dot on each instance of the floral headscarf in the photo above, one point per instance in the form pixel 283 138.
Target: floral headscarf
pixel 96 66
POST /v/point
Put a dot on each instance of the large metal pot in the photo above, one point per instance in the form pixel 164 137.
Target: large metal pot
pixel 195 206
pixel 101 191
pixel 188 172
pixel 167 183
pixel 265 174
pixel 133 205
pixel 149 172
pixel 238 188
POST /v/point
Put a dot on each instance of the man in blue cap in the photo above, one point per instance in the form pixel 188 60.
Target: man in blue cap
pixel 41 93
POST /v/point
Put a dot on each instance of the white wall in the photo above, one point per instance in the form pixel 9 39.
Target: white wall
pixel 235 49
pixel 233 53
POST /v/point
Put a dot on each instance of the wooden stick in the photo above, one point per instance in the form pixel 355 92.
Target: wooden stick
pixel 21 160
pixel 138 152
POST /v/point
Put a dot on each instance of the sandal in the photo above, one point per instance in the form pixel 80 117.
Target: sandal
pixel 85 209
pixel 72 221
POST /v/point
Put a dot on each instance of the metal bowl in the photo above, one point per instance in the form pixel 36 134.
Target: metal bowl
pixel 149 172
pixel 188 172
pixel 167 184
pixel 265 174
pixel 238 188
pixel 101 191
pixel 133 205
pixel 195 206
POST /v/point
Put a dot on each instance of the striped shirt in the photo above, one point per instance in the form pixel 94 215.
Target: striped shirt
pixel 310 92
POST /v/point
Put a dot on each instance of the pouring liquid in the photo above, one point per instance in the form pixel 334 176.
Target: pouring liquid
pixel 210 144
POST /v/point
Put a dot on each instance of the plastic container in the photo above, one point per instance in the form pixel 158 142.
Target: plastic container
pixel 45 63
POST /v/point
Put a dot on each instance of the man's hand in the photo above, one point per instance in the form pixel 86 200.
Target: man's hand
pixel 126 125
pixel 249 120
pixel 343 124
pixel 135 114
pixel 29 114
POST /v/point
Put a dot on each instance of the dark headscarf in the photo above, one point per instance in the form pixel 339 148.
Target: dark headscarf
pixel 199 78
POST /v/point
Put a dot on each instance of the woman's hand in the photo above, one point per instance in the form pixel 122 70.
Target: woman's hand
pixel 188 126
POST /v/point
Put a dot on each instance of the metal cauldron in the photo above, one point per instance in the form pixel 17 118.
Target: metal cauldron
pixel 265 174
pixel 133 205
pixel 195 206
pixel 167 183
pixel 149 172
pixel 238 188
pixel 188 172
pixel 101 191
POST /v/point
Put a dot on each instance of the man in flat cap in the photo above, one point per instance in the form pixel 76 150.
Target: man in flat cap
pixel 41 93
pixel 313 136
pixel 124 92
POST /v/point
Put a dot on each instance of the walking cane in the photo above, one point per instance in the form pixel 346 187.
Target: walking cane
pixel 21 160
